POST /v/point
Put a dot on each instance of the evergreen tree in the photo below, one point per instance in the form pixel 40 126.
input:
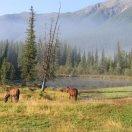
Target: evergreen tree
pixel 120 67
pixel 82 67
pixel 69 61
pixel 5 71
pixel 4 55
pixel 69 57
pixel 13 60
pixel 64 54
pixel 74 56
pixel 78 58
pixel 102 67
pixel 30 52
pixel 96 58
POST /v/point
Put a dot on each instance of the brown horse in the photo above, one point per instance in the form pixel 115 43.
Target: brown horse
pixel 73 92
pixel 13 93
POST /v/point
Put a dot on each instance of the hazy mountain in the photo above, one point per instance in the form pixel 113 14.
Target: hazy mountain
pixel 98 26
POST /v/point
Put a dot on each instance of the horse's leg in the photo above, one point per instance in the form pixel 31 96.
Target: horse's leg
pixel 6 97
pixel 71 97
pixel 76 98
pixel 18 95
pixel 11 98
pixel 16 99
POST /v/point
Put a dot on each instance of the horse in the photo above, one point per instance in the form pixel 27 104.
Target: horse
pixel 73 92
pixel 13 93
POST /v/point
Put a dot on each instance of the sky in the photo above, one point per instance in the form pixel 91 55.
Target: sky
pixel 43 6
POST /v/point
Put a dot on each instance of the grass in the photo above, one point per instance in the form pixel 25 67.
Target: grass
pixel 107 93
pixel 53 111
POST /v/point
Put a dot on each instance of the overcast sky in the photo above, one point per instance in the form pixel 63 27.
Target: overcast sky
pixel 43 6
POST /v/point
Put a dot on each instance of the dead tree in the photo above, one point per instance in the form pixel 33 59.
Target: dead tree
pixel 48 56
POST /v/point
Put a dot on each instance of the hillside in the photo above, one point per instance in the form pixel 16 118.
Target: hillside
pixel 99 26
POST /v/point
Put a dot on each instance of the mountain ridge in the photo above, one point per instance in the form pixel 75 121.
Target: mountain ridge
pixel 99 26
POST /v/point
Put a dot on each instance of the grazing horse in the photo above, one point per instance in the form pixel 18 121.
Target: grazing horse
pixel 13 93
pixel 73 92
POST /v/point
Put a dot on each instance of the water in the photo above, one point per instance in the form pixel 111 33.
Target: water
pixel 87 83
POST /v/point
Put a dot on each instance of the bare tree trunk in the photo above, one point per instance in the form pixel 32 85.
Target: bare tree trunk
pixel 44 84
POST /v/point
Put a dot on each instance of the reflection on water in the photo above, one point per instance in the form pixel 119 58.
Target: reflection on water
pixel 85 83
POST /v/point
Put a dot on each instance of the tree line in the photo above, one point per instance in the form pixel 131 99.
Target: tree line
pixel 68 61
pixel 73 62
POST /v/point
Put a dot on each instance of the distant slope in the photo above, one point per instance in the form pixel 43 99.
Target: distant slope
pixel 99 26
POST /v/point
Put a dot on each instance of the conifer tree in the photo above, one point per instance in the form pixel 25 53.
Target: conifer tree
pixel 96 58
pixel 120 60
pixel 69 57
pixel 29 53
pixel 5 71
pixel 102 67
pixel 64 54
pixel 74 56
pixel 78 58
pixel 4 55
pixel 5 66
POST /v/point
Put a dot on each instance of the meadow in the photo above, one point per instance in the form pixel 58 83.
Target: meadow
pixel 106 109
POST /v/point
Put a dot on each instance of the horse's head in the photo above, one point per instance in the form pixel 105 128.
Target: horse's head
pixel 67 89
pixel 6 97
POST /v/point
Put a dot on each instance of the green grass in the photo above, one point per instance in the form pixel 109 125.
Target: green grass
pixel 107 93
pixel 52 111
